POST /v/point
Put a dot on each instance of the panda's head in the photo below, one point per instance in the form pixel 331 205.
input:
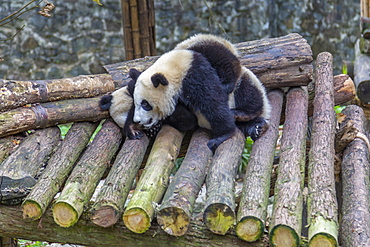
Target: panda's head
pixel 157 89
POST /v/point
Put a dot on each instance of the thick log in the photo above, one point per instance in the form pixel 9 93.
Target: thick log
pixel 154 180
pixel 219 212
pixel 322 205
pixel 362 75
pixel 277 62
pixel 9 144
pixel 110 201
pixel 59 167
pixel 86 174
pixel 19 93
pixel 87 234
pixel 19 171
pixel 355 224
pixel 50 114
pixel 252 213
pixel 175 212
pixel 286 220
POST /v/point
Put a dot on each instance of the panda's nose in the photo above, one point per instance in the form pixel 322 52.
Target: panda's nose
pixel 136 119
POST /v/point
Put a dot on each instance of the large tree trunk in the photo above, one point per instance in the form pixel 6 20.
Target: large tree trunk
pixel 322 204
pixel 19 93
pixel 355 224
pixel 277 62
pixel 50 114
pixel 286 221
pixel 252 211
pixel 86 174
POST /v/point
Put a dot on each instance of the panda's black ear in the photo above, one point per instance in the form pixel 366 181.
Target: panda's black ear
pixel 134 74
pixel 159 78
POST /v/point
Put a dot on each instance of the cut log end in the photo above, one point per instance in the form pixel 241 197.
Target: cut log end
pixel 323 240
pixel 105 216
pixel 173 221
pixel 64 214
pixel 219 218
pixel 31 210
pixel 136 220
pixel 250 229
pixel 284 236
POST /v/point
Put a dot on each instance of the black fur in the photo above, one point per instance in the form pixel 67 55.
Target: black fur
pixel 105 102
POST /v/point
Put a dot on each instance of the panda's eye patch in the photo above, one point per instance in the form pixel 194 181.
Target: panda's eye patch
pixel 146 106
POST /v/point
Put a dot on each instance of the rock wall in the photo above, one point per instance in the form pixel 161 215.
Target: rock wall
pixel 81 36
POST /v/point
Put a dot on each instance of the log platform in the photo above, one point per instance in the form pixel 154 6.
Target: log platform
pixel 106 190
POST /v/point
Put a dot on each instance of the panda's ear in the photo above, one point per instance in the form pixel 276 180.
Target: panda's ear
pixel 134 74
pixel 159 78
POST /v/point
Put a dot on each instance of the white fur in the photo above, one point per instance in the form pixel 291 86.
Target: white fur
pixel 258 84
pixel 121 104
pixel 199 39
pixel 174 65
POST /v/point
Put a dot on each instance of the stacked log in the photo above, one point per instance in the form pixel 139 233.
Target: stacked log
pixel 252 213
pixel 322 203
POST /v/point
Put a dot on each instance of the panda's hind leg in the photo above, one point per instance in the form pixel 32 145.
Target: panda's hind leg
pixel 254 128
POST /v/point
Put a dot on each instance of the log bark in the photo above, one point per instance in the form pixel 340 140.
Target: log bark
pixel 277 62
pixel 154 180
pixel 355 224
pixel 86 174
pixel 252 213
pixel 110 201
pixel 175 212
pixel 219 212
pixel 19 171
pixel 286 220
pixel 322 204
pixel 87 234
pixel 59 167
pixel 362 75
pixel 50 114
pixel 19 93
pixel 8 145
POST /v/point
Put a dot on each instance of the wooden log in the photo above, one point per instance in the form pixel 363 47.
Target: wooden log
pixel 175 212
pixel 86 174
pixel 277 62
pixel 59 167
pixel 9 144
pixel 219 212
pixel 252 213
pixel 322 205
pixel 110 201
pixel 19 93
pixel 19 171
pixel 50 114
pixel 286 220
pixel 154 180
pixel 355 223
pixel 362 75
pixel 87 234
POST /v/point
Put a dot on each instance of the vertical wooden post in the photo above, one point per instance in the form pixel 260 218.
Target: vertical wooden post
pixel 138 28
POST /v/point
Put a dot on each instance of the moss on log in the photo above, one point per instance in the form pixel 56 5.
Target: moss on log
pixel 355 223
pixel 19 171
pixel 219 212
pixel 286 220
pixel 322 205
pixel 109 203
pixel 154 180
pixel 59 166
pixel 50 114
pixel 175 212
pixel 19 93
pixel 252 213
pixel 86 174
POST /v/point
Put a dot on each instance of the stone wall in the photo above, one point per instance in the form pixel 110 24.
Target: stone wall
pixel 81 36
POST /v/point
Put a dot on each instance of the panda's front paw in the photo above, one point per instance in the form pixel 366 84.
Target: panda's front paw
pixel 213 145
pixel 256 132
pixel 135 134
